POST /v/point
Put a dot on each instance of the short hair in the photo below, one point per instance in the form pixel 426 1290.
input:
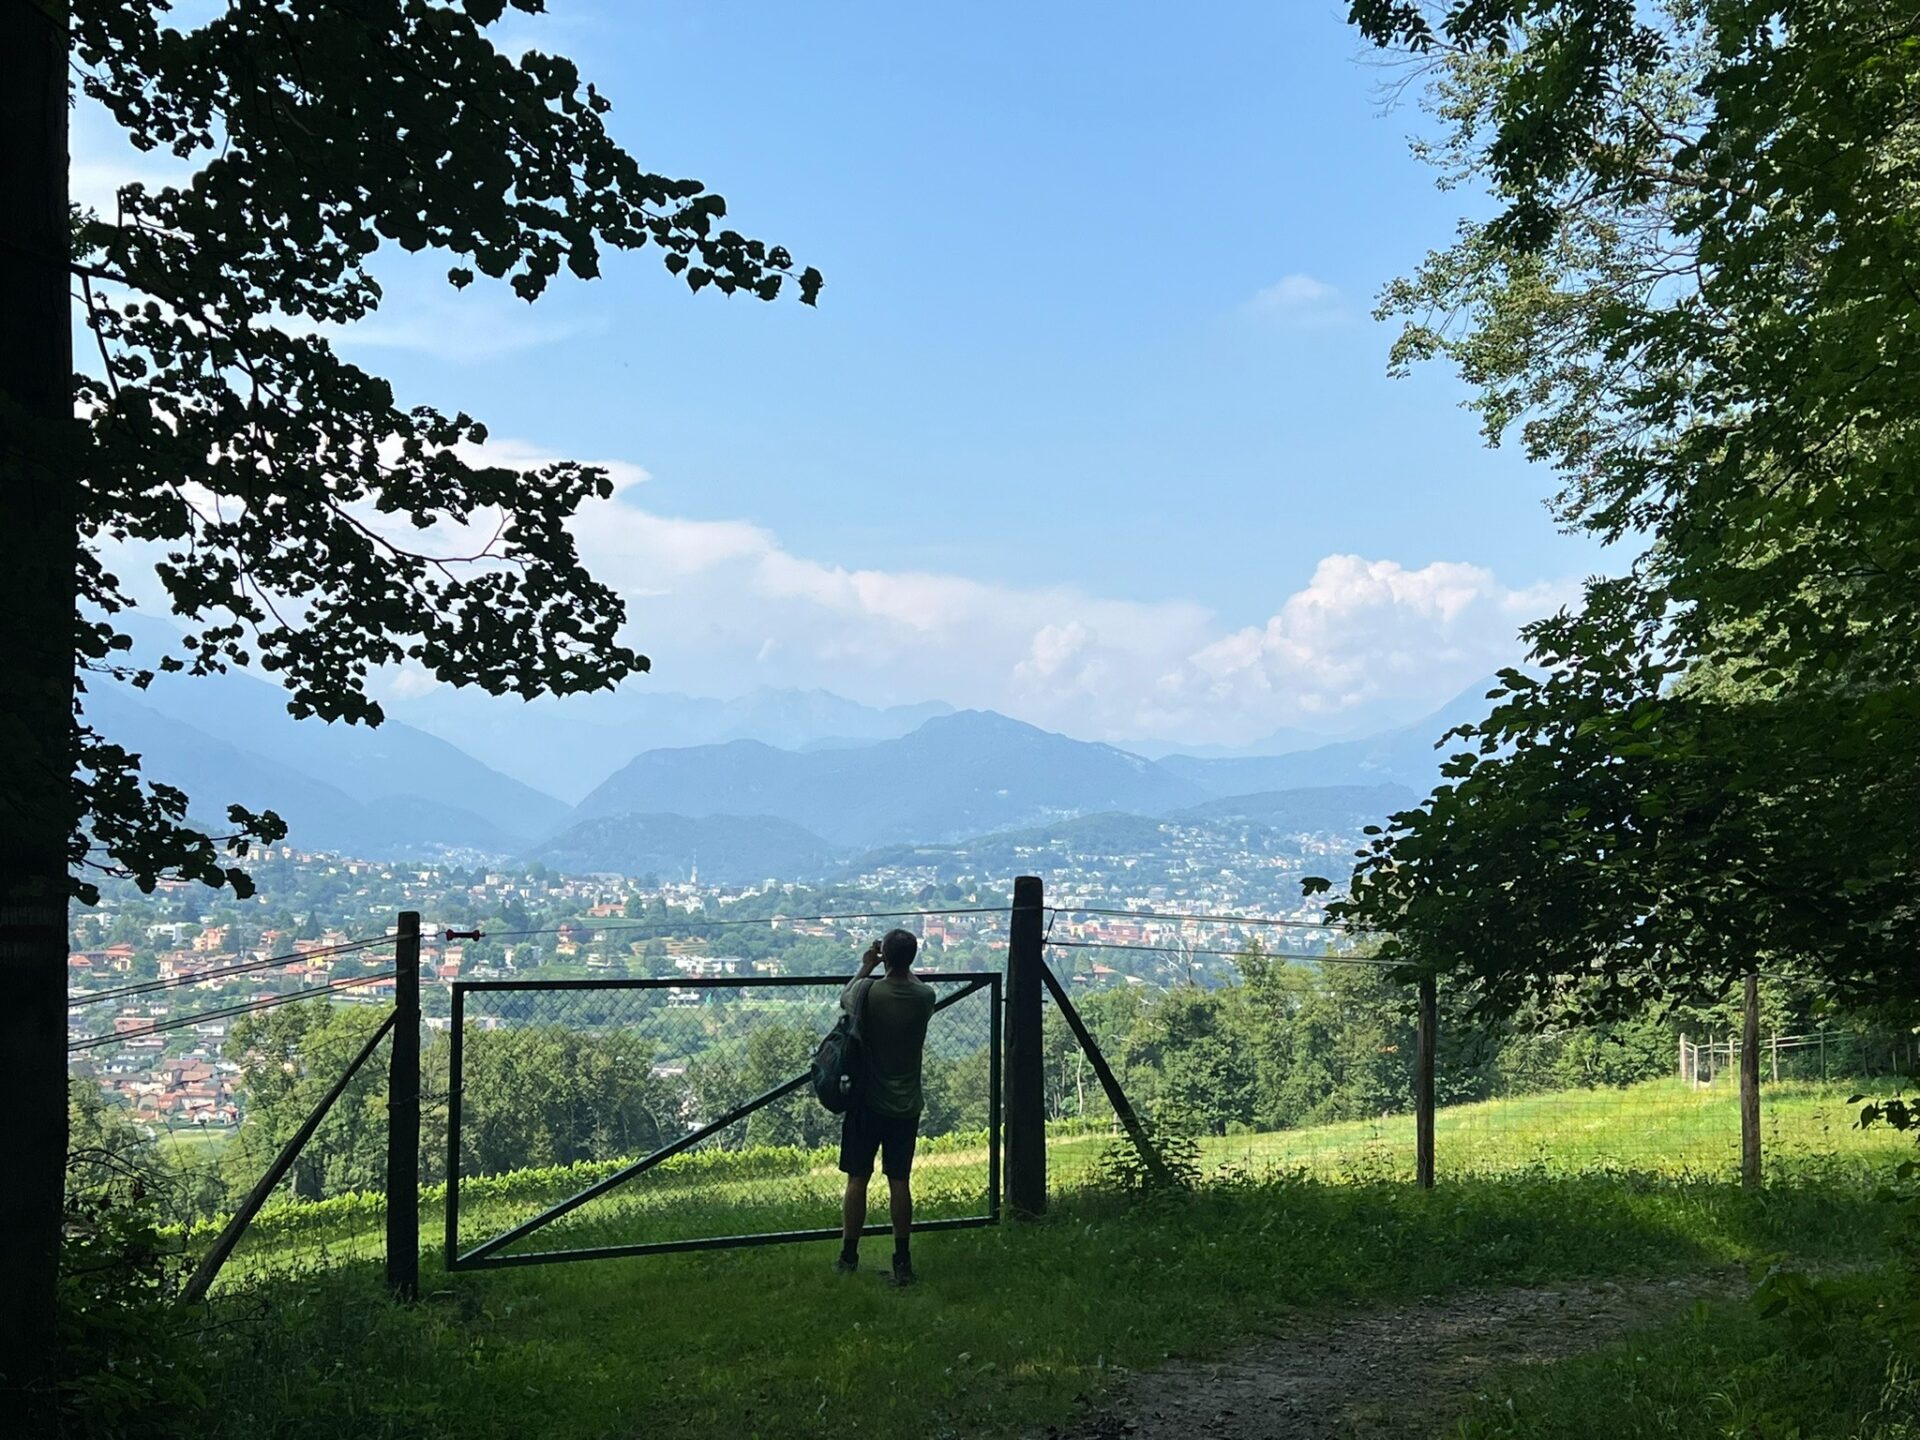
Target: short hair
pixel 897 949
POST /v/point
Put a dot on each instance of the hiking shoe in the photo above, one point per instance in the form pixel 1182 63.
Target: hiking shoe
pixel 844 1266
pixel 900 1276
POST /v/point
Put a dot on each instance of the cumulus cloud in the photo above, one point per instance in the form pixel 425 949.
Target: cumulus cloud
pixel 412 680
pixel 1298 302
pixel 1366 630
pixel 722 606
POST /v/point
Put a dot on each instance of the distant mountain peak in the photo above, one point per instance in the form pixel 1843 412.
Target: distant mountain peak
pixel 986 722
pixel 955 775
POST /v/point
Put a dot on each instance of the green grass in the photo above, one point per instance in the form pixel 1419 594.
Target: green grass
pixel 1008 1328
pixel 1011 1325
pixel 1828 1371
pixel 1661 1128
pixel 199 1142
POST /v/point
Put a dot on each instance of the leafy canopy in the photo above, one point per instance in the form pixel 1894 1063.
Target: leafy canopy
pixel 1697 307
pixel 312 525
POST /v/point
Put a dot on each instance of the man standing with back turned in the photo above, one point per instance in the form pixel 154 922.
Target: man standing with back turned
pixel 885 1118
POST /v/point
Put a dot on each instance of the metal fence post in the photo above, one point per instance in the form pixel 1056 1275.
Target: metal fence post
pixel 1423 1081
pixel 403 1116
pixel 1026 1106
pixel 996 1066
pixel 1750 1086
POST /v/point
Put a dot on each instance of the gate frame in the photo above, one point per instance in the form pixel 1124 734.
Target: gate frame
pixel 485 1255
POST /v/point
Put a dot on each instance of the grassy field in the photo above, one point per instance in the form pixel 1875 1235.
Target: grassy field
pixel 1659 1129
pixel 1013 1327
pixel 1827 1372
pixel 1008 1330
pixel 197 1142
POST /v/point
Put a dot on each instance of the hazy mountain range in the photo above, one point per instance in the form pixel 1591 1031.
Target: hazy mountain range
pixel 566 747
pixel 851 780
pixel 956 775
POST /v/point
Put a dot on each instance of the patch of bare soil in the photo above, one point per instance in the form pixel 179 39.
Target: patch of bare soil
pixel 1401 1371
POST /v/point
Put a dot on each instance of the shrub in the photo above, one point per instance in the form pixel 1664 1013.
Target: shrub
pixel 1122 1169
pixel 128 1364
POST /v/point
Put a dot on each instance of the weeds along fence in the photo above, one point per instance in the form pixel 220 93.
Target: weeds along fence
pixel 531 1119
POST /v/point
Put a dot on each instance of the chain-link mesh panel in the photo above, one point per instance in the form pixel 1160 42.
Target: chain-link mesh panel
pixel 332 1205
pixel 566 1087
pixel 1309 1071
pixel 204 1072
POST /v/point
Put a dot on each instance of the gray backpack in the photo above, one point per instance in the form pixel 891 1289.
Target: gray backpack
pixel 839 1061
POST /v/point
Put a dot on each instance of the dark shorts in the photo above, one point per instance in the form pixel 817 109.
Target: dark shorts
pixel 864 1134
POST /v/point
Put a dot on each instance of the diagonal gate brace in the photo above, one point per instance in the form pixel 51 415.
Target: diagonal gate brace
pixel 490 1248
pixel 1116 1097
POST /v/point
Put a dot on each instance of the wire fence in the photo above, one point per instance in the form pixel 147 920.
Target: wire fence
pixel 211 975
pixel 564 1086
pixel 1293 1058
pixel 1306 1066
pixel 204 1073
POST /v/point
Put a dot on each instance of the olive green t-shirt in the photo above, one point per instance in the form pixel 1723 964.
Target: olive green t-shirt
pixel 893 1030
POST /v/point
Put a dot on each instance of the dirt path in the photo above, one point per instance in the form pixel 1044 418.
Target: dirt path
pixel 1401 1371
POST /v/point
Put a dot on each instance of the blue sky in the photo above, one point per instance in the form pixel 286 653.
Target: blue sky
pixel 1091 424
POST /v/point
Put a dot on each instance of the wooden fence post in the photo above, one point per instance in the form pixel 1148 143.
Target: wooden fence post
pixel 403 1116
pixel 1026 1104
pixel 1423 1081
pixel 1750 1086
pixel 1683 1054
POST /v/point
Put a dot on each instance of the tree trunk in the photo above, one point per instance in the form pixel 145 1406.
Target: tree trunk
pixel 37 517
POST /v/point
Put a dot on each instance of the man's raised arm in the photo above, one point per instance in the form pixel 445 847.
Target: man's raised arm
pixel 867 963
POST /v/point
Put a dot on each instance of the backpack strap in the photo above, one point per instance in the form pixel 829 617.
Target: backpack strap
pixel 862 988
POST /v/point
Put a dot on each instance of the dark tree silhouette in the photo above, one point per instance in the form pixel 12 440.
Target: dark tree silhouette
pixel 293 493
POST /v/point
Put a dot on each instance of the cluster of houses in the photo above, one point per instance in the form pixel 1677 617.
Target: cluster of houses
pixel 178 1076
pixel 193 1090
pixel 171 1075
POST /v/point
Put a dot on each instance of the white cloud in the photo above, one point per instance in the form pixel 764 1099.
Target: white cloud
pixel 1361 631
pixel 722 606
pixel 469 326
pixel 1298 302
pixel 412 680
pixel 516 455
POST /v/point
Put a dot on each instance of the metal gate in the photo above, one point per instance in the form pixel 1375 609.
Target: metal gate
pixel 651 1163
